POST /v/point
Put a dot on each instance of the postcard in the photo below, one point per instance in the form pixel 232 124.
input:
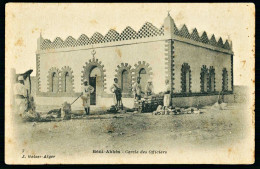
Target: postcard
pixel 137 83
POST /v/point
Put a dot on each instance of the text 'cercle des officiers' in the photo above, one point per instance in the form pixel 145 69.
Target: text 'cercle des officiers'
pixel 129 152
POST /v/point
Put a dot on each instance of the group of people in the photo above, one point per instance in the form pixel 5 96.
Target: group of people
pixel 137 89
pixel 117 93
pixel 22 99
pixel 21 94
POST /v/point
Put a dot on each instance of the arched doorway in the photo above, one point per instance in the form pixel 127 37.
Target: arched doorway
pixel 96 82
pixel 94 72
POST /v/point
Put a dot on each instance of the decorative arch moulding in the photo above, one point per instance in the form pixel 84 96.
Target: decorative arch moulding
pixel 204 73
pixel 184 69
pixel 224 75
pixel 64 70
pixel 212 74
pixel 50 80
pixel 125 67
pixel 141 65
pixel 92 63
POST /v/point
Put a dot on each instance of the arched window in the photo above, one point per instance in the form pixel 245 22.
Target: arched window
pixel 144 78
pixel 124 81
pixel 211 79
pixel 53 80
pixel 144 71
pixel 224 80
pixel 205 82
pixel 54 83
pixel 67 79
pixel 185 78
pixel 124 76
pixel 204 79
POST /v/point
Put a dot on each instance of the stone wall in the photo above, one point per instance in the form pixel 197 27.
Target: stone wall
pixel 200 100
pixel 196 57
pixel 149 55
pixel 160 51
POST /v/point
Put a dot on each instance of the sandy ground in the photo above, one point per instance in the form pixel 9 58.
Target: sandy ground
pixel 212 128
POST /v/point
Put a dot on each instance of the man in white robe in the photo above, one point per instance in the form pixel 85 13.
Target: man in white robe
pixel 149 88
pixel 86 91
pixel 21 95
pixel 137 89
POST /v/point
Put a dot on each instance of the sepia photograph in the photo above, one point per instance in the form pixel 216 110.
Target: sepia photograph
pixel 139 83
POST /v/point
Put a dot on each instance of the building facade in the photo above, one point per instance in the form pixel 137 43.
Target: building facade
pixel 198 67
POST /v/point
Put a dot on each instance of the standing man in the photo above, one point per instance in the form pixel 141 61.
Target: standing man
pixel 167 94
pixel 149 88
pixel 86 90
pixel 117 97
pixel 137 89
pixel 21 95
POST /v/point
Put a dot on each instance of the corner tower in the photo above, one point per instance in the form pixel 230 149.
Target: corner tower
pixel 169 28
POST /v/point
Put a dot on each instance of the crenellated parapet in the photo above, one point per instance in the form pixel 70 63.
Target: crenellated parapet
pixel 204 38
pixel 147 30
pixel 168 31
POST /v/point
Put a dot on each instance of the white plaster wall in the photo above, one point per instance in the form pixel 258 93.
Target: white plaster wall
pixel 56 102
pixel 152 53
pixel 196 57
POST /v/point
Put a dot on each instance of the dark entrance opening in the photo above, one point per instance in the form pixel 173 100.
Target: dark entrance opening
pixel 95 82
pixel 92 82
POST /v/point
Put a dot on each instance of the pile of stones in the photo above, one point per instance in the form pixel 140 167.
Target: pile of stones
pixel 162 110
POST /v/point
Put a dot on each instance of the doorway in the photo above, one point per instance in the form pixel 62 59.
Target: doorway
pixel 95 82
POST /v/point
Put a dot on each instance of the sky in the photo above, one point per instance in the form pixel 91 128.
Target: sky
pixel 25 22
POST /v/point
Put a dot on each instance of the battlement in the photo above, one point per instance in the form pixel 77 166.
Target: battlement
pixel 148 30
